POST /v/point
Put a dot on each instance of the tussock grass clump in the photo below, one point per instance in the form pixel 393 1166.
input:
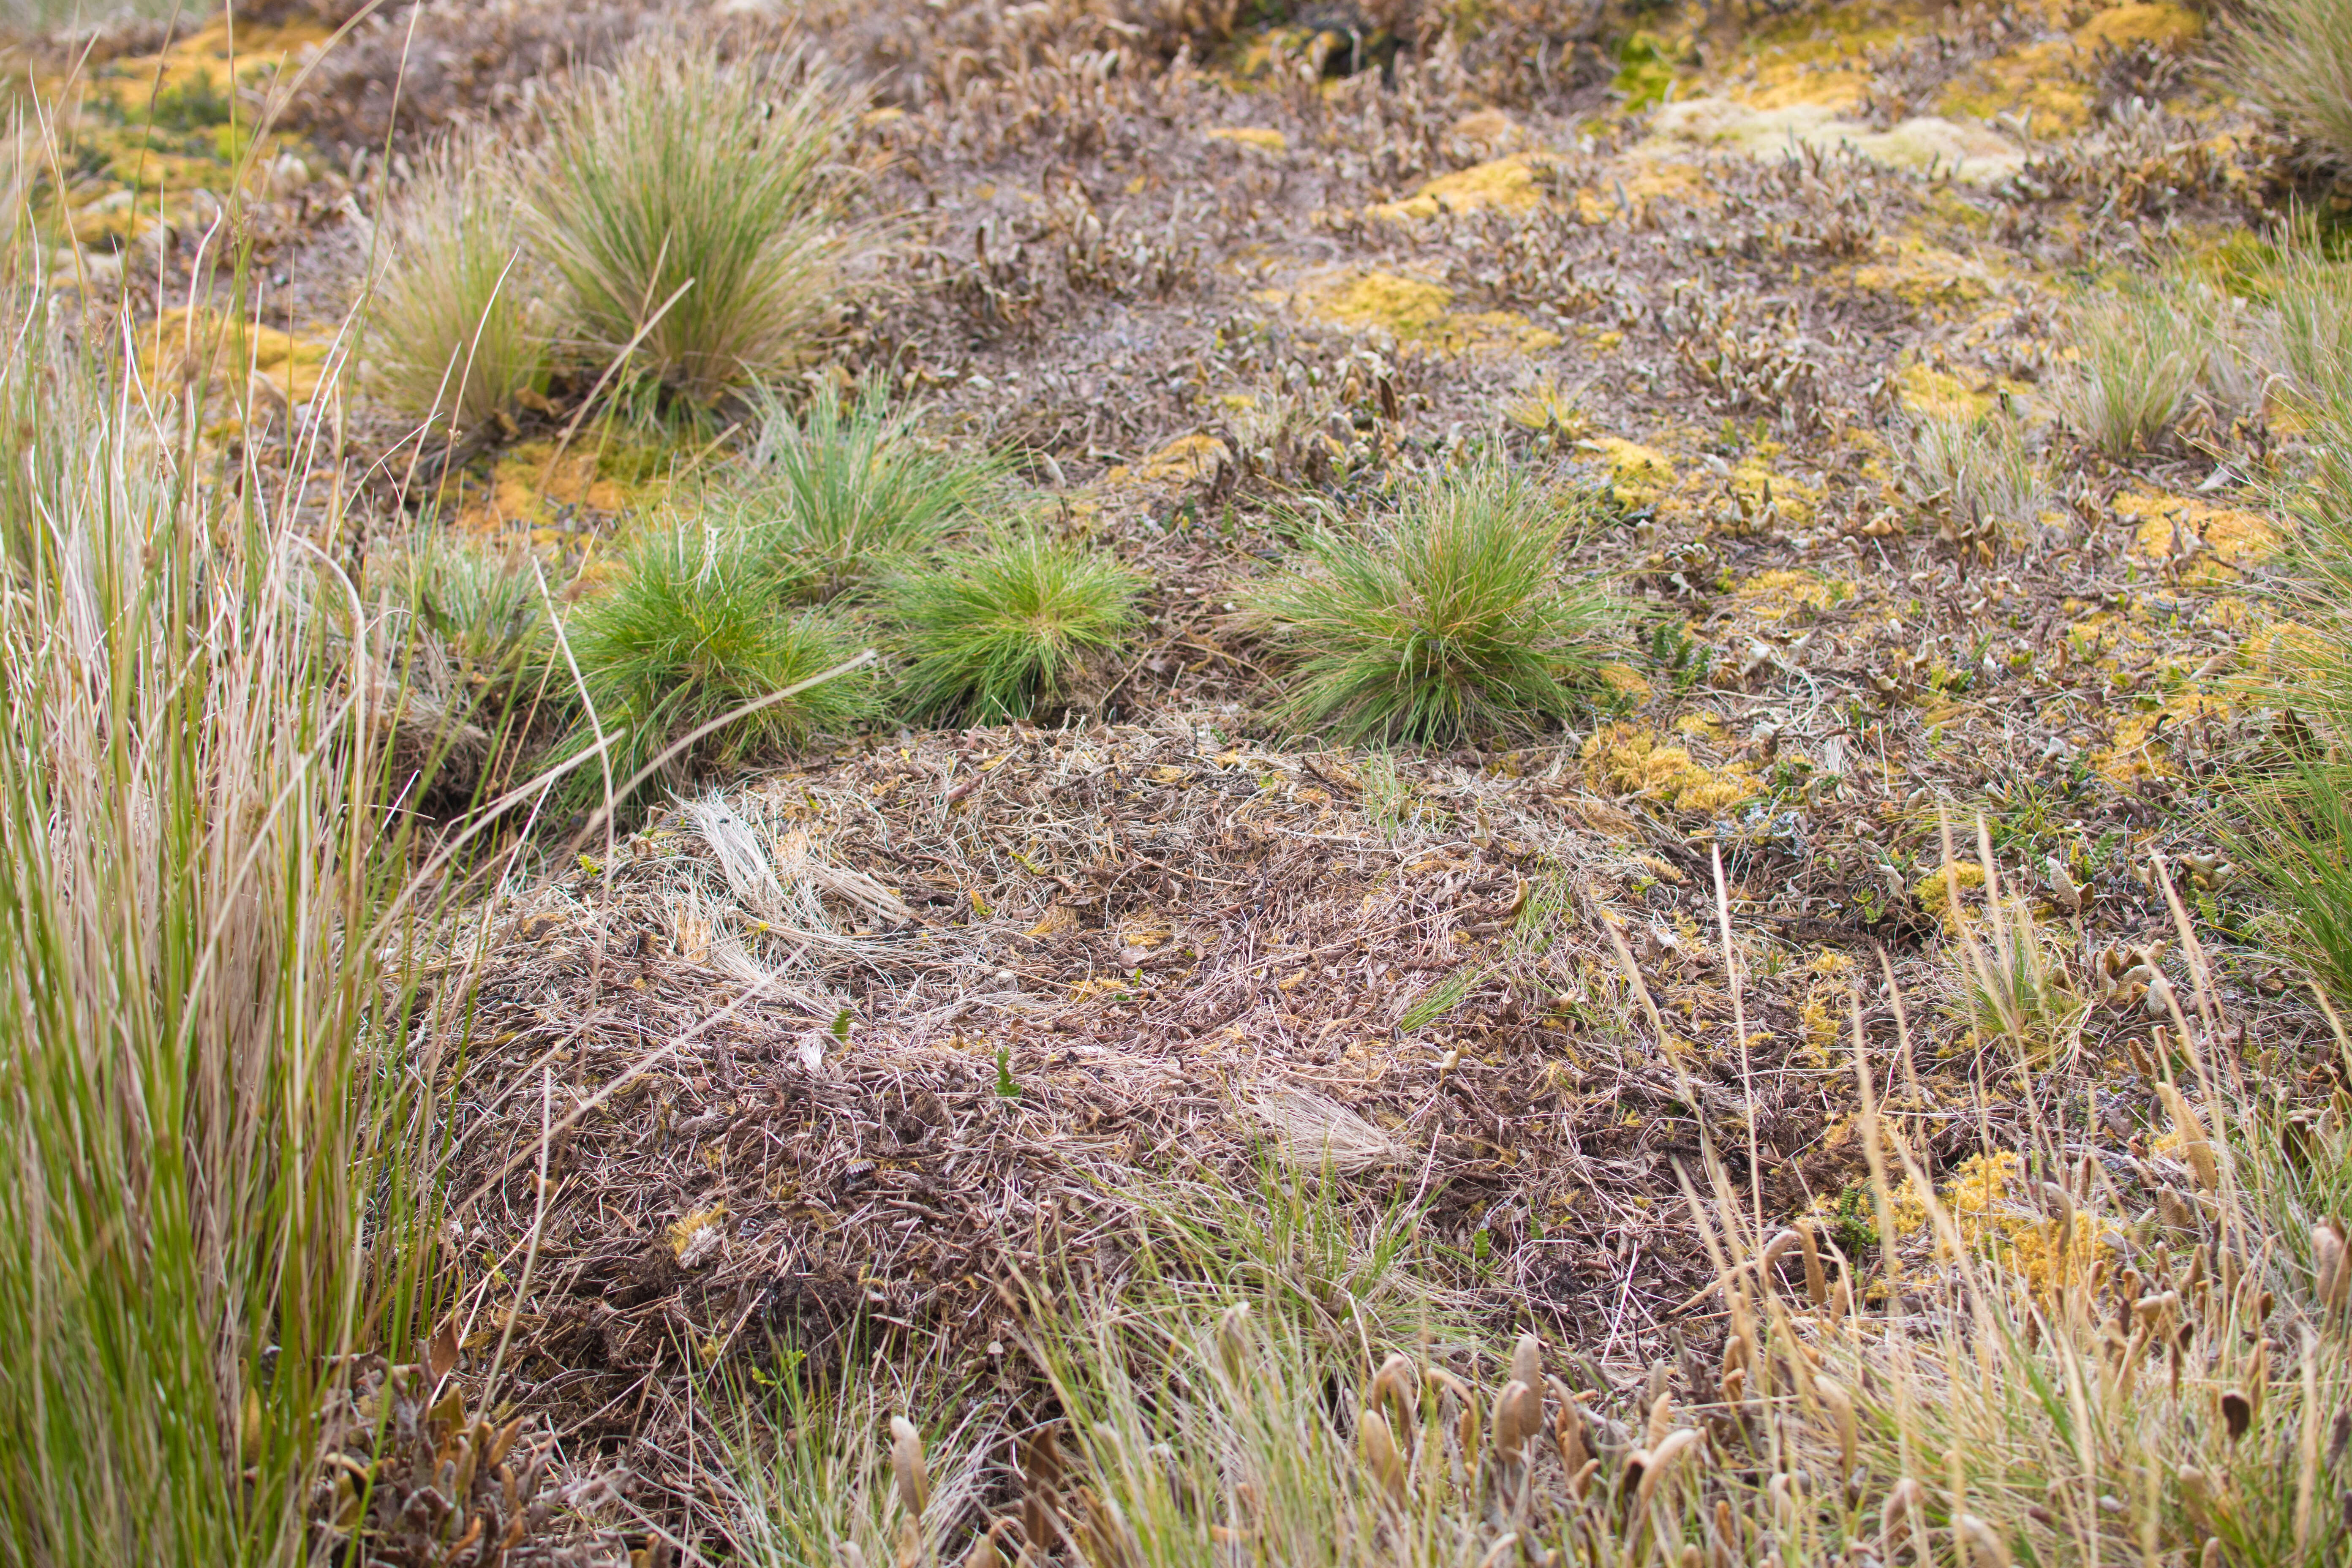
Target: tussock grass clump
pixel 474 669
pixel 694 207
pixel 485 607
pixel 696 633
pixel 457 328
pixel 208 1189
pixel 826 1468
pixel 845 492
pixel 1454 617
pixel 2296 59
pixel 1979 468
pixel 2310 298
pixel 2301 843
pixel 2303 852
pixel 994 634
pixel 2299 838
pixel 2145 353
pixel 2013 990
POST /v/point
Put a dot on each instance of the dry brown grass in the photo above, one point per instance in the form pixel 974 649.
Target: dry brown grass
pixel 2020 1371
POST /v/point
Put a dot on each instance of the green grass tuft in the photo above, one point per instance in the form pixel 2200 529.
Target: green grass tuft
pixel 2141 356
pixel 2303 857
pixel 994 634
pixel 1455 618
pixel 696 628
pixel 845 492
pixel 2299 842
pixel 2310 297
pixel 694 207
pixel 484 607
pixel 810 1475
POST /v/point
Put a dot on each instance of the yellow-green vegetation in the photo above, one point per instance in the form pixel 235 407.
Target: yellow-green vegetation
pixel 846 491
pixel 1951 1356
pixel 997 632
pixel 690 660
pixel 1972 468
pixel 210 1177
pixel 2307 834
pixel 1453 616
pixel 2144 352
pixel 694 209
pixel 458 324
pixel 1165 788
pixel 2297 58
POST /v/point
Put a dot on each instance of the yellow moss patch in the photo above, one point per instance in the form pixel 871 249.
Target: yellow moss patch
pixel 531 485
pixel 1982 1201
pixel 232 357
pixel 1257 138
pixel 1798 500
pixel 1408 307
pixel 1940 395
pixel 1925 275
pixel 1823 91
pixel 1623 760
pixel 1777 594
pixel 1815 57
pixel 1646 181
pixel 206 53
pixel 2218 538
pixel 1508 184
pixel 1184 460
pixel 1642 474
pixel 2166 27
pixel 1700 726
pixel 1934 890
pixel 1823 1028
pixel 2137 751
pixel 1625 682
pixel 1416 313
pixel 2037 82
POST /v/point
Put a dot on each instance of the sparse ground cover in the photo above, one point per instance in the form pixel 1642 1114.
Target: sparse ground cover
pixel 1466 785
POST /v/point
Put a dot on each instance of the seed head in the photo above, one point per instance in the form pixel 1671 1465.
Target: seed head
pixel 910 1466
